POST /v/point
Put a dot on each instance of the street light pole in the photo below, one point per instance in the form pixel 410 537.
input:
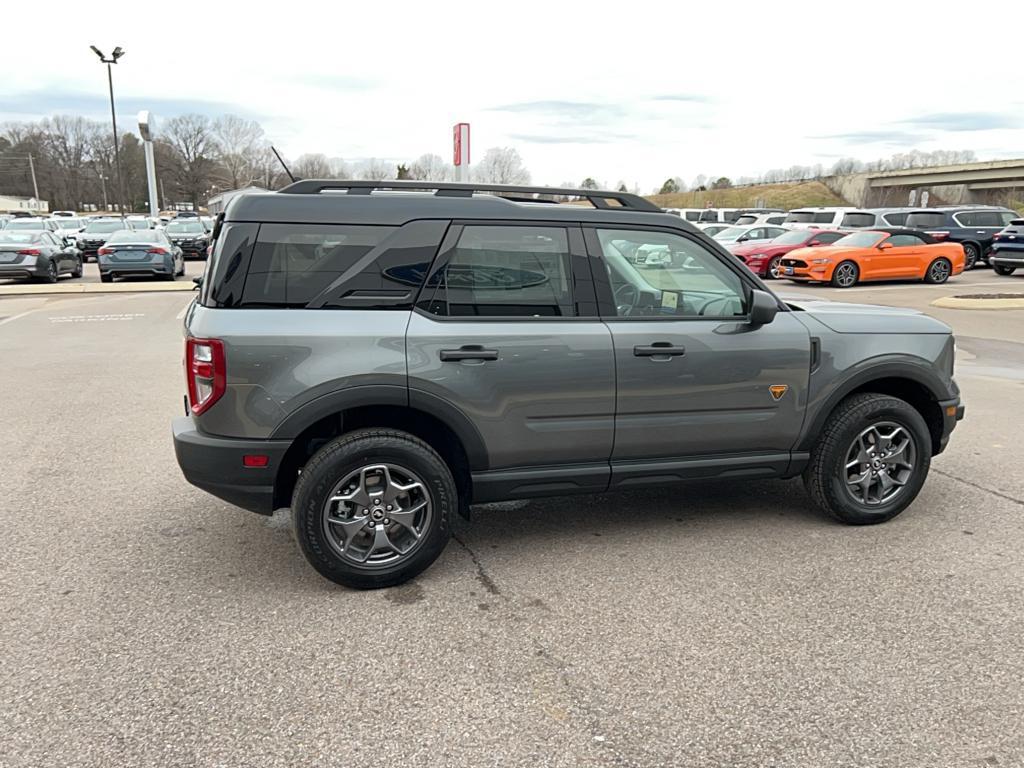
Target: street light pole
pixel 117 53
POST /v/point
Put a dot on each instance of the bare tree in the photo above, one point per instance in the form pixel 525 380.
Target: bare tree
pixel 312 166
pixel 241 142
pixel 339 168
pixel 193 157
pixel 430 168
pixel 501 165
pixel 378 170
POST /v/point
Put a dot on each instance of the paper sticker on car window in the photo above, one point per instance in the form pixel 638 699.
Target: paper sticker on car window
pixel 669 300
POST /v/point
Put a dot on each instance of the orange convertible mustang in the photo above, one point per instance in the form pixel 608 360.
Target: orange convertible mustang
pixel 878 254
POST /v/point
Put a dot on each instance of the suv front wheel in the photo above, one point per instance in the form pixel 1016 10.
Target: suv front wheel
pixel 871 459
pixel 374 508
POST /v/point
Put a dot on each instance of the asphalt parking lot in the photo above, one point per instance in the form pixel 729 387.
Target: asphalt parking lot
pixel 714 624
pixel 91 274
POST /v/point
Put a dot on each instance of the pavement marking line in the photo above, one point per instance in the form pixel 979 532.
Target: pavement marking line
pixel 96 318
pixel 12 318
pixel 75 288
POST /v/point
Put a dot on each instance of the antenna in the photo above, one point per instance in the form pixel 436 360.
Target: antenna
pixel 282 163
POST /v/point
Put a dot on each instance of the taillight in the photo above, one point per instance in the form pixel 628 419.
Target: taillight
pixel 939 235
pixel 30 252
pixel 205 372
pixel 161 251
pixel 105 251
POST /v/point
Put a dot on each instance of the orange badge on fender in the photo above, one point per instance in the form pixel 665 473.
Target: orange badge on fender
pixel 778 390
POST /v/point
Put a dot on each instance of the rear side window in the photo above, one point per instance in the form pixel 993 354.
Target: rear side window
pixel 693 216
pixel 896 219
pixel 823 217
pixel 505 271
pixel 293 264
pixel 983 218
pixel 926 219
pixel 858 220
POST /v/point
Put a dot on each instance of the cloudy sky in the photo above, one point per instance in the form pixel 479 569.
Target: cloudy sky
pixel 631 91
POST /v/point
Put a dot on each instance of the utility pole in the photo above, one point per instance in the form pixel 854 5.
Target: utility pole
pixel 103 183
pixel 35 187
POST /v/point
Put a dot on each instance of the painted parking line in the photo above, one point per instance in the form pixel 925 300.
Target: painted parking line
pixel 117 316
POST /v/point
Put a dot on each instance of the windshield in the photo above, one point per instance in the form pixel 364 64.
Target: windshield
pixel 184 228
pixel 859 240
pixel 25 225
pixel 732 233
pixel 103 227
pixel 18 237
pixel 794 237
pixel 65 223
pixel 131 236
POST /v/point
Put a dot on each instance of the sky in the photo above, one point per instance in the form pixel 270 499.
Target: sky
pixel 634 92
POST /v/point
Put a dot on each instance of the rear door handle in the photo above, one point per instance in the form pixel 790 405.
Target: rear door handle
pixel 468 352
pixel 659 349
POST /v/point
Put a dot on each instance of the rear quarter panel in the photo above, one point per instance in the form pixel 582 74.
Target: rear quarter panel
pixel 278 360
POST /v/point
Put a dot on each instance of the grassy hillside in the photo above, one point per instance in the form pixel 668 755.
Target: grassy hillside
pixel 785 196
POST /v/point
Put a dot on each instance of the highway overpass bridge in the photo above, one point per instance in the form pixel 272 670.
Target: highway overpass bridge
pixel 964 183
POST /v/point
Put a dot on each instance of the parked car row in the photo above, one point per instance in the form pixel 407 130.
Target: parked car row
pixel 41 253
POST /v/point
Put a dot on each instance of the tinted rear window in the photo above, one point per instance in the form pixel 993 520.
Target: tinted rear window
pixel 858 220
pixel 823 217
pixel 926 219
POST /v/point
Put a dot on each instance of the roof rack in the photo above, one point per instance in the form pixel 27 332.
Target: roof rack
pixel 598 198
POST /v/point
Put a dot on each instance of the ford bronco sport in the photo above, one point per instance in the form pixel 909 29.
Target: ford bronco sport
pixel 378 356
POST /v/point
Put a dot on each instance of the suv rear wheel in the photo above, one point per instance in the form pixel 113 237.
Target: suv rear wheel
pixel 374 508
pixel 971 255
pixel 871 459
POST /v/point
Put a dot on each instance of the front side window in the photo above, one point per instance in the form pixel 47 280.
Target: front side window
pixel 901 241
pixel 694 283
pixel 506 271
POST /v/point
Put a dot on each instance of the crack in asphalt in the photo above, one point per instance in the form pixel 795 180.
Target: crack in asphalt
pixel 590 720
pixel 1000 494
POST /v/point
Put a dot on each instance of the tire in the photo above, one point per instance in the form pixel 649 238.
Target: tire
pixel 1002 269
pixel 410 462
pixel 79 268
pixel 52 273
pixel 826 478
pixel 106 278
pixel 771 270
pixel 845 275
pixel 971 254
pixel 938 271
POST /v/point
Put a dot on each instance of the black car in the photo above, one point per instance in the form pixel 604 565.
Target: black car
pixel 37 255
pixel 96 234
pixel 973 226
pixel 190 235
pixel 1007 254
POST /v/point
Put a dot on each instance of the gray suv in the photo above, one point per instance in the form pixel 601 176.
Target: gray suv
pixel 378 357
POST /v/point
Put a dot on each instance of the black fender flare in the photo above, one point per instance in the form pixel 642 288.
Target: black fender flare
pixel 919 373
pixel 388 395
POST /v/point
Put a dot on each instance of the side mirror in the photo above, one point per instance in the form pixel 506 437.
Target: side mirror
pixel 198 282
pixel 884 246
pixel 763 307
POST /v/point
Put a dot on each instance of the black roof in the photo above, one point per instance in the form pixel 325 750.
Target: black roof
pixel 332 201
pixel 902 231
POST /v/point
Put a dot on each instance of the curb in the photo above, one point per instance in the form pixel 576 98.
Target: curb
pixel 952 302
pixel 77 288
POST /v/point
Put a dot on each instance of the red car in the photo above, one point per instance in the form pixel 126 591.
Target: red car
pixel 763 258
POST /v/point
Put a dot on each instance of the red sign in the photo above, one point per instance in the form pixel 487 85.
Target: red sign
pixel 460 140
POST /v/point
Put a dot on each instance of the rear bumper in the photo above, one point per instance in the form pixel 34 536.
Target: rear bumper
pixel 952 412
pixel 126 268
pixel 20 272
pixel 214 464
pixel 1008 257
